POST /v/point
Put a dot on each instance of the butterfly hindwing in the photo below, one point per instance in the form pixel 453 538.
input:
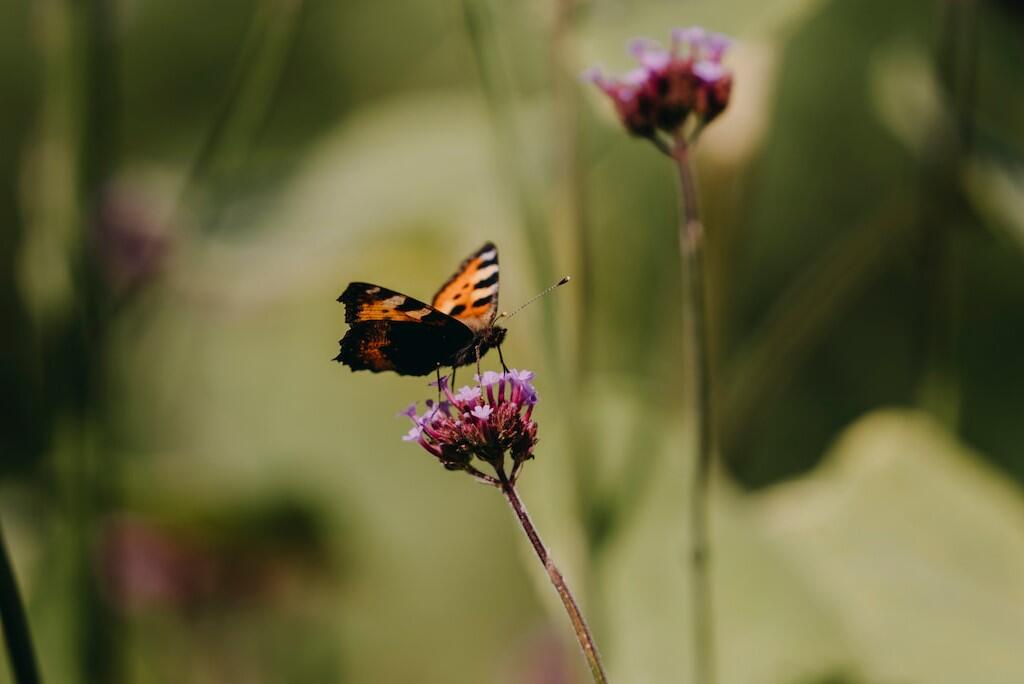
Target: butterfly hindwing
pixel 392 331
pixel 471 295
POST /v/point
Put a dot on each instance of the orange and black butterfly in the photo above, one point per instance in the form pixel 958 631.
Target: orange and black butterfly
pixel 389 331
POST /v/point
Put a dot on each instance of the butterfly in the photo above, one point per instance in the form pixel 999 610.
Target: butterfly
pixel 390 331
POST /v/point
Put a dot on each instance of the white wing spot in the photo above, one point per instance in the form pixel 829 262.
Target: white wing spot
pixel 485 273
pixel 419 313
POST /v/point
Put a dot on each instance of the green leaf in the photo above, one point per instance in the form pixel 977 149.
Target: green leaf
pixel 916 546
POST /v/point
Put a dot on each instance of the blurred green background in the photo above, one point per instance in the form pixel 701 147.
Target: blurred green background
pixel 192 491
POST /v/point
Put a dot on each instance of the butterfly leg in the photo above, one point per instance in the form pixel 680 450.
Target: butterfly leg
pixel 479 374
pixel 437 371
pixel 502 359
pixel 453 377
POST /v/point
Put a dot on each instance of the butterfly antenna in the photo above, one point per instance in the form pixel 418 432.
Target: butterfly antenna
pixel 505 314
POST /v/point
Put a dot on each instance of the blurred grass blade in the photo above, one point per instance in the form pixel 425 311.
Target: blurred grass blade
pixel 802 313
pixel 249 95
pixel 499 92
pixel 20 650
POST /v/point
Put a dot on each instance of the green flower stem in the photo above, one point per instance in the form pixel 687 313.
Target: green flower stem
pixel 691 248
pixel 20 650
pixel 579 625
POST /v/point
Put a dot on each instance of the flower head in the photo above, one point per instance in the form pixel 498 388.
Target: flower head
pixel 131 244
pixel 485 421
pixel 671 86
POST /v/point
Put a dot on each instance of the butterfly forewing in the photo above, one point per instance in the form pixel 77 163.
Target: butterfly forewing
pixel 392 331
pixel 471 295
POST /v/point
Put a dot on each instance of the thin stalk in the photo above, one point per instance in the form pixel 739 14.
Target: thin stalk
pixel 579 625
pixel 248 98
pixel 568 134
pixel 95 475
pixel 691 249
pixel 938 260
pixel 592 504
pixel 496 81
pixel 20 650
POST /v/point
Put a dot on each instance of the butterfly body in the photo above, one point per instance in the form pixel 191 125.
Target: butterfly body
pixel 483 341
pixel 389 331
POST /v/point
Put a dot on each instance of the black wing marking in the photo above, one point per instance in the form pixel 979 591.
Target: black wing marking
pixel 392 331
pixel 471 294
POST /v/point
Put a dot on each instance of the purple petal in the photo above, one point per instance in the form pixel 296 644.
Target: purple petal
pixel 409 412
pixel 708 71
pixel 414 434
pixel 483 412
pixel 634 79
pixel 716 44
pixel 691 35
pixel 521 375
pixel 593 75
pixel 488 378
pixel 467 394
pixel 441 383
pixel 525 392
pixel 649 53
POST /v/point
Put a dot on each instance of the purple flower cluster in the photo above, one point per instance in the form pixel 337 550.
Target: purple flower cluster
pixel 131 245
pixel 671 85
pixel 487 420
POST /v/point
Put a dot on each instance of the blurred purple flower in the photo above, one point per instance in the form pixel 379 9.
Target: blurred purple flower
pixel 131 244
pixel 143 566
pixel 486 421
pixel 671 85
pixel 151 563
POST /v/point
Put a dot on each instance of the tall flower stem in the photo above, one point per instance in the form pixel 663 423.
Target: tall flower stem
pixel 579 625
pixel 12 613
pixel 680 90
pixel 691 248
